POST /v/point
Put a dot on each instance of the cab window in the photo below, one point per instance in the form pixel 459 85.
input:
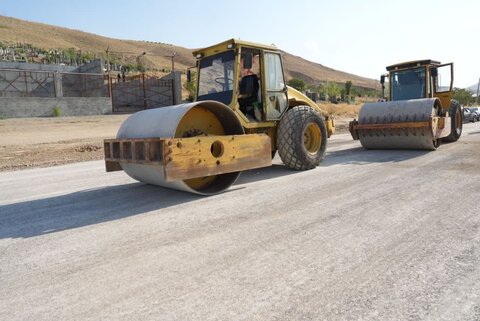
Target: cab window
pixel 275 86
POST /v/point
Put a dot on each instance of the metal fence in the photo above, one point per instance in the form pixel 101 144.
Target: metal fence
pixel 128 94
pixel 20 83
pixel 141 92
pixel 84 85
pixel 30 83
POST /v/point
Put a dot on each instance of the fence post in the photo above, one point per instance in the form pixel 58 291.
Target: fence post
pixel 177 87
pixel 144 92
pixel 110 91
pixel 58 85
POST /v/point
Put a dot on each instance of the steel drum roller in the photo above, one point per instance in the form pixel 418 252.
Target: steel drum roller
pixel 185 120
pixel 407 112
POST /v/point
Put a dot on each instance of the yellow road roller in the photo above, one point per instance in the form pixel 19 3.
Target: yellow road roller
pixel 242 114
pixel 418 113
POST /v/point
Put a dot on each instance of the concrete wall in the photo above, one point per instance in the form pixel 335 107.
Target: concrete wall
pixel 57 81
pixel 177 86
pixel 44 107
pixel 36 67
pixel 95 66
pixel 81 85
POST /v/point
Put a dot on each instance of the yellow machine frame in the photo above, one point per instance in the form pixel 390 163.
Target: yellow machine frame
pixel 202 146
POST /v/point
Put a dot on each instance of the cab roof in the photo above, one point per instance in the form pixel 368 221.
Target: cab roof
pixel 222 46
pixel 411 64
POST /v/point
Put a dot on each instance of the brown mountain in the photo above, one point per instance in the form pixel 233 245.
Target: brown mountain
pixel 45 36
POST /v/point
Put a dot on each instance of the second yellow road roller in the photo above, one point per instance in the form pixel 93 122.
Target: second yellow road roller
pixel 242 115
pixel 418 112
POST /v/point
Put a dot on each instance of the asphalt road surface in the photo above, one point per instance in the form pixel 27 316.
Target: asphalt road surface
pixel 368 235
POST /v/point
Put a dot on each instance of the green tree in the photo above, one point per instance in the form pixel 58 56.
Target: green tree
pixel 463 96
pixel 70 54
pixel 312 88
pixel 87 56
pixel 297 83
pixel 128 67
pixel 191 86
pixel 348 88
pixel 331 90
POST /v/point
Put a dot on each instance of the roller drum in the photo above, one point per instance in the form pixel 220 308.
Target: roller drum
pixel 185 120
pixel 407 112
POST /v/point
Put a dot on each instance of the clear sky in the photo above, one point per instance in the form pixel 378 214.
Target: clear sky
pixel 360 37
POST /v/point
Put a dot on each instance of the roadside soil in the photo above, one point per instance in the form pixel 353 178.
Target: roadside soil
pixel 43 142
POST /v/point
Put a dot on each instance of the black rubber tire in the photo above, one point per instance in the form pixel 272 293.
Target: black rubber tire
pixel 456 130
pixel 290 138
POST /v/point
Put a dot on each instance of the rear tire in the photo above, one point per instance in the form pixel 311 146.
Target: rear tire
pixel 456 117
pixel 302 138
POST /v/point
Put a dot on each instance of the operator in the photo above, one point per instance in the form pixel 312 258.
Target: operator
pixel 250 105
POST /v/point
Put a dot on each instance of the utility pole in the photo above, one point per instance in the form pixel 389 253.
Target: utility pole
pixel 478 87
pixel 110 87
pixel 173 62
pixel 108 60
pixel 144 87
pixel 140 63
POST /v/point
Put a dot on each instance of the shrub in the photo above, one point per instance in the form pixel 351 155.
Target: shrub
pixel 57 111
pixel 297 83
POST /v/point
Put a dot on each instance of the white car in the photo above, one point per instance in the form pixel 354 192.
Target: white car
pixel 469 116
pixel 475 110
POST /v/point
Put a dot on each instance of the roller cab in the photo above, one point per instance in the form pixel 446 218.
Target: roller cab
pixel 418 113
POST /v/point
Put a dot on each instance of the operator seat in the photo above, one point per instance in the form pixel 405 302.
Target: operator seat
pixel 248 92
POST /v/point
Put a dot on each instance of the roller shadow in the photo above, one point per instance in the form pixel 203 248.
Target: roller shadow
pixel 264 173
pixel 361 156
pixel 78 209
pixel 93 206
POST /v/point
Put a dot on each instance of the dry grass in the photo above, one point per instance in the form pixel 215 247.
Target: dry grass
pixel 341 110
pixel 346 110
pixel 342 113
pixel 46 36
pixel 297 67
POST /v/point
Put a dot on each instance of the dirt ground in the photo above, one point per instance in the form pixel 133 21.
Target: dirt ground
pixel 43 142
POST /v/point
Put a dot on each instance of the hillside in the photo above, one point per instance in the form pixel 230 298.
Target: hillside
pixel 41 35
pixel 473 89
